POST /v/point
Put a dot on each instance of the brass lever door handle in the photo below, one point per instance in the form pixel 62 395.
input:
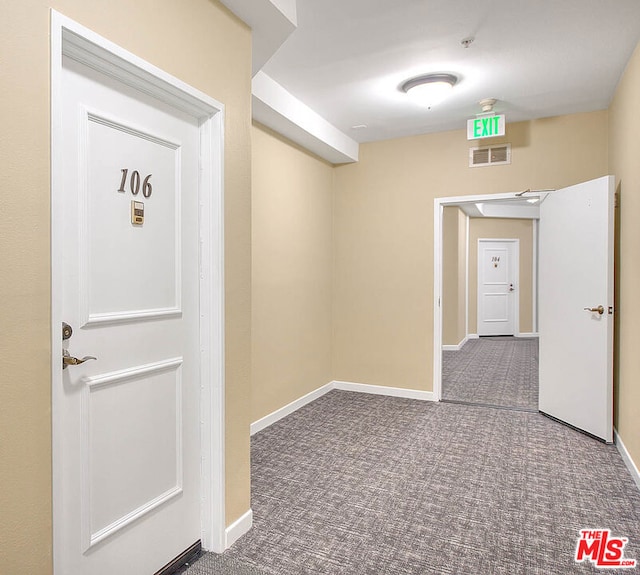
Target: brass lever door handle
pixel 67 359
pixel 599 309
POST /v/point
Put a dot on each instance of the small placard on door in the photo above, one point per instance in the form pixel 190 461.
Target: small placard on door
pixel 137 213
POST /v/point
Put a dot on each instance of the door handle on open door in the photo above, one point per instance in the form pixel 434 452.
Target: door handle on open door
pixel 67 359
pixel 599 309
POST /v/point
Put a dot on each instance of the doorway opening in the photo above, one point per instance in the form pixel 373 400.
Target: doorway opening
pixel 575 270
pixel 486 348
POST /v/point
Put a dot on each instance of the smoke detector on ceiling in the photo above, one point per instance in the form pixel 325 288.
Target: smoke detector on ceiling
pixel 487 104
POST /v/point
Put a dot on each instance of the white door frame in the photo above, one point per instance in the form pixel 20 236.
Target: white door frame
pixel 515 254
pixel 70 39
pixel 438 208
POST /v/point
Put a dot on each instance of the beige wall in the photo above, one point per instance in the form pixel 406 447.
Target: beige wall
pixel 496 228
pixel 624 158
pixel 292 272
pixel 450 284
pixel 204 45
pixel 383 233
pixel 454 279
pixel 462 274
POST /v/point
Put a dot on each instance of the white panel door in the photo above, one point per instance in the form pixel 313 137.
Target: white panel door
pixel 497 279
pixel 576 272
pixel 129 420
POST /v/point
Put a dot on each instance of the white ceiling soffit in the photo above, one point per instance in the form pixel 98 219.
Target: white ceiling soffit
pixel 272 22
pixel 277 109
pixel 512 209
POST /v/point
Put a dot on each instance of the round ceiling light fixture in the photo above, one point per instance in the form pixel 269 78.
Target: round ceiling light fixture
pixel 430 89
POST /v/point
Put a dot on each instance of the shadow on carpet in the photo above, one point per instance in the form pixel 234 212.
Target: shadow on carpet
pixel 495 371
pixel 214 564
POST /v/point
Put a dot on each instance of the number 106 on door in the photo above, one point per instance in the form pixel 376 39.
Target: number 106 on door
pixel 135 183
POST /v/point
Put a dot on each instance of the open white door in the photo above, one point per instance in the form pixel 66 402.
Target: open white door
pixel 576 272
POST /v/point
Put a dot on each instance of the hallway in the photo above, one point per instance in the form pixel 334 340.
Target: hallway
pixel 496 371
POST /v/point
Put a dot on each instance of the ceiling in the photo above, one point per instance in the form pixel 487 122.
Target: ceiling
pixel 343 60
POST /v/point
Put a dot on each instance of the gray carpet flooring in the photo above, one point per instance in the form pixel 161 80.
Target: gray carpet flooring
pixel 499 371
pixel 359 484
pixel 213 564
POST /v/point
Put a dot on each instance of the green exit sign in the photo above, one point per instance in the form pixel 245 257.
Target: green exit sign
pixel 486 127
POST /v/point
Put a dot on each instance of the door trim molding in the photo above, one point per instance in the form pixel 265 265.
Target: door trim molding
pixel 515 253
pixel 70 39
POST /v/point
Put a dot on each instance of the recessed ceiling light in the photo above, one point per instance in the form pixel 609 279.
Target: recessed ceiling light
pixel 429 89
pixel 359 127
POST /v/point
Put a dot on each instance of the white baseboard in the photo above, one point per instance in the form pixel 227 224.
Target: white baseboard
pixel 473 336
pixel 267 420
pixel 238 528
pixel 455 347
pixel 383 390
pixel 345 386
pixel 626 457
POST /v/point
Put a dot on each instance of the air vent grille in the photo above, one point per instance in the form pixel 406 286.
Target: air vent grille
pixel 480 156
pixel 490 156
